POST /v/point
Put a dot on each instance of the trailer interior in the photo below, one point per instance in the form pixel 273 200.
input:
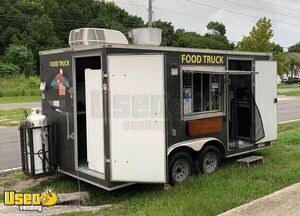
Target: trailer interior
pixel 243 113
pixel 81 64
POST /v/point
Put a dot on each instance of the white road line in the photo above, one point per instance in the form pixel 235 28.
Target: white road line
pixel 294 120
pixel 11 169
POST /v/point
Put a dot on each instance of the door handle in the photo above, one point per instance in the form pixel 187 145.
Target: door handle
pixel 275 100
pixel 105 94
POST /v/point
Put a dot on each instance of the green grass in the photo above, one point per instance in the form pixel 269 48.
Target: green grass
pixel 289 90
pixel 6 100
pixel 11 179
pixel 208 194
pixel 20 81
pixel 12 117
pixel 19 88
pixel 290 93
pixel 284 86
pixel 19 92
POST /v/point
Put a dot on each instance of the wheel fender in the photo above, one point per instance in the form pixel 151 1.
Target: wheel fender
pixel 195 144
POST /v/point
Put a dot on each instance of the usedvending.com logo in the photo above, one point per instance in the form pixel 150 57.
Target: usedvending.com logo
pixel 30 201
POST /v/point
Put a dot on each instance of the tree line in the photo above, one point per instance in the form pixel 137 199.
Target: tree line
pixel 29 26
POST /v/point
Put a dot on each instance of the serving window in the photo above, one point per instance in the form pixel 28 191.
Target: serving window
pixel 201 93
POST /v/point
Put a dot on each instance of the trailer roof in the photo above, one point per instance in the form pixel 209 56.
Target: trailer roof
pixel 158 48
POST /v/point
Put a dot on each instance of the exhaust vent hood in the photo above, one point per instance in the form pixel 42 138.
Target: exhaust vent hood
pixel 146 36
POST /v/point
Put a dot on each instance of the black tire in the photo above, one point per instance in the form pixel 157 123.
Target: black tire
pixel 208 160
pixel 180 167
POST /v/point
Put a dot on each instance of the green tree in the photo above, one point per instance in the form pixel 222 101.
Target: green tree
pixel 111 16
pixel 217 32
pixel 45 24
pixel 7 68
pixel 288 63
pixel 10 35
pixel 41 34
pixel 215 39
pixel 282 63
pixel 11 28
pixel 259 39
pixel 276 49
pixel 21 57
pixel 168 32
pixel 294 66
pixel 216 28
pixel 295 48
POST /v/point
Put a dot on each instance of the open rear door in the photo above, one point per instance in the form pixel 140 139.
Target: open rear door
pixel 266 97
pixel 94 120
pixel 137 118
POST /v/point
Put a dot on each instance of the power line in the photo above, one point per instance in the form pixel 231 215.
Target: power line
pixel 255 8
pixel 204 18
pixel 288 8
pixel 61 21
pixel 165 9
pixel 79 22
pixel 235 12
pixel 26 18
pixel 179 12
pixel 275 30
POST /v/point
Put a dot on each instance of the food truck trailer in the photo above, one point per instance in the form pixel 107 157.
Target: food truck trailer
pixel 127 113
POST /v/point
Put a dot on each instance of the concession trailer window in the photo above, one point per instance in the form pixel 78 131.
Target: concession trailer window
pixel 201 92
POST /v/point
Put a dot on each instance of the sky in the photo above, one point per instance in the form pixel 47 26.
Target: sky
pixel 238 16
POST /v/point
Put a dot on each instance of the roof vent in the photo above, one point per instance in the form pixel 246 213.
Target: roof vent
pixel 90 36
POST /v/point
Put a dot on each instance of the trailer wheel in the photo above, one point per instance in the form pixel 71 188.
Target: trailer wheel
pixel 208 159
pixel 180 167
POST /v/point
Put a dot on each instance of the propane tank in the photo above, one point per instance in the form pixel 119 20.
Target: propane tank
pixel 37 121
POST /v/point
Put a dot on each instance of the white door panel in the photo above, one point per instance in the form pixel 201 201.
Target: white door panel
pixel 265 95
pixel 94 120
pixel 137 118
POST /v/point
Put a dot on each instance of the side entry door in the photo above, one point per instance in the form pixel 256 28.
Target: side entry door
pixel 242 110
pixel 137 118
pixel 266 97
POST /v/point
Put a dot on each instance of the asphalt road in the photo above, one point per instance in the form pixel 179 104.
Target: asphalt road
pixel 10 155
pixel 19 105
pixel 288 109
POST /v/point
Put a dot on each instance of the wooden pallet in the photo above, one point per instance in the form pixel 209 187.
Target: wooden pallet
pixel 251 160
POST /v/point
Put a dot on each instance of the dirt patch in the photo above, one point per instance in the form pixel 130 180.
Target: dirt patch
pixel 23 184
